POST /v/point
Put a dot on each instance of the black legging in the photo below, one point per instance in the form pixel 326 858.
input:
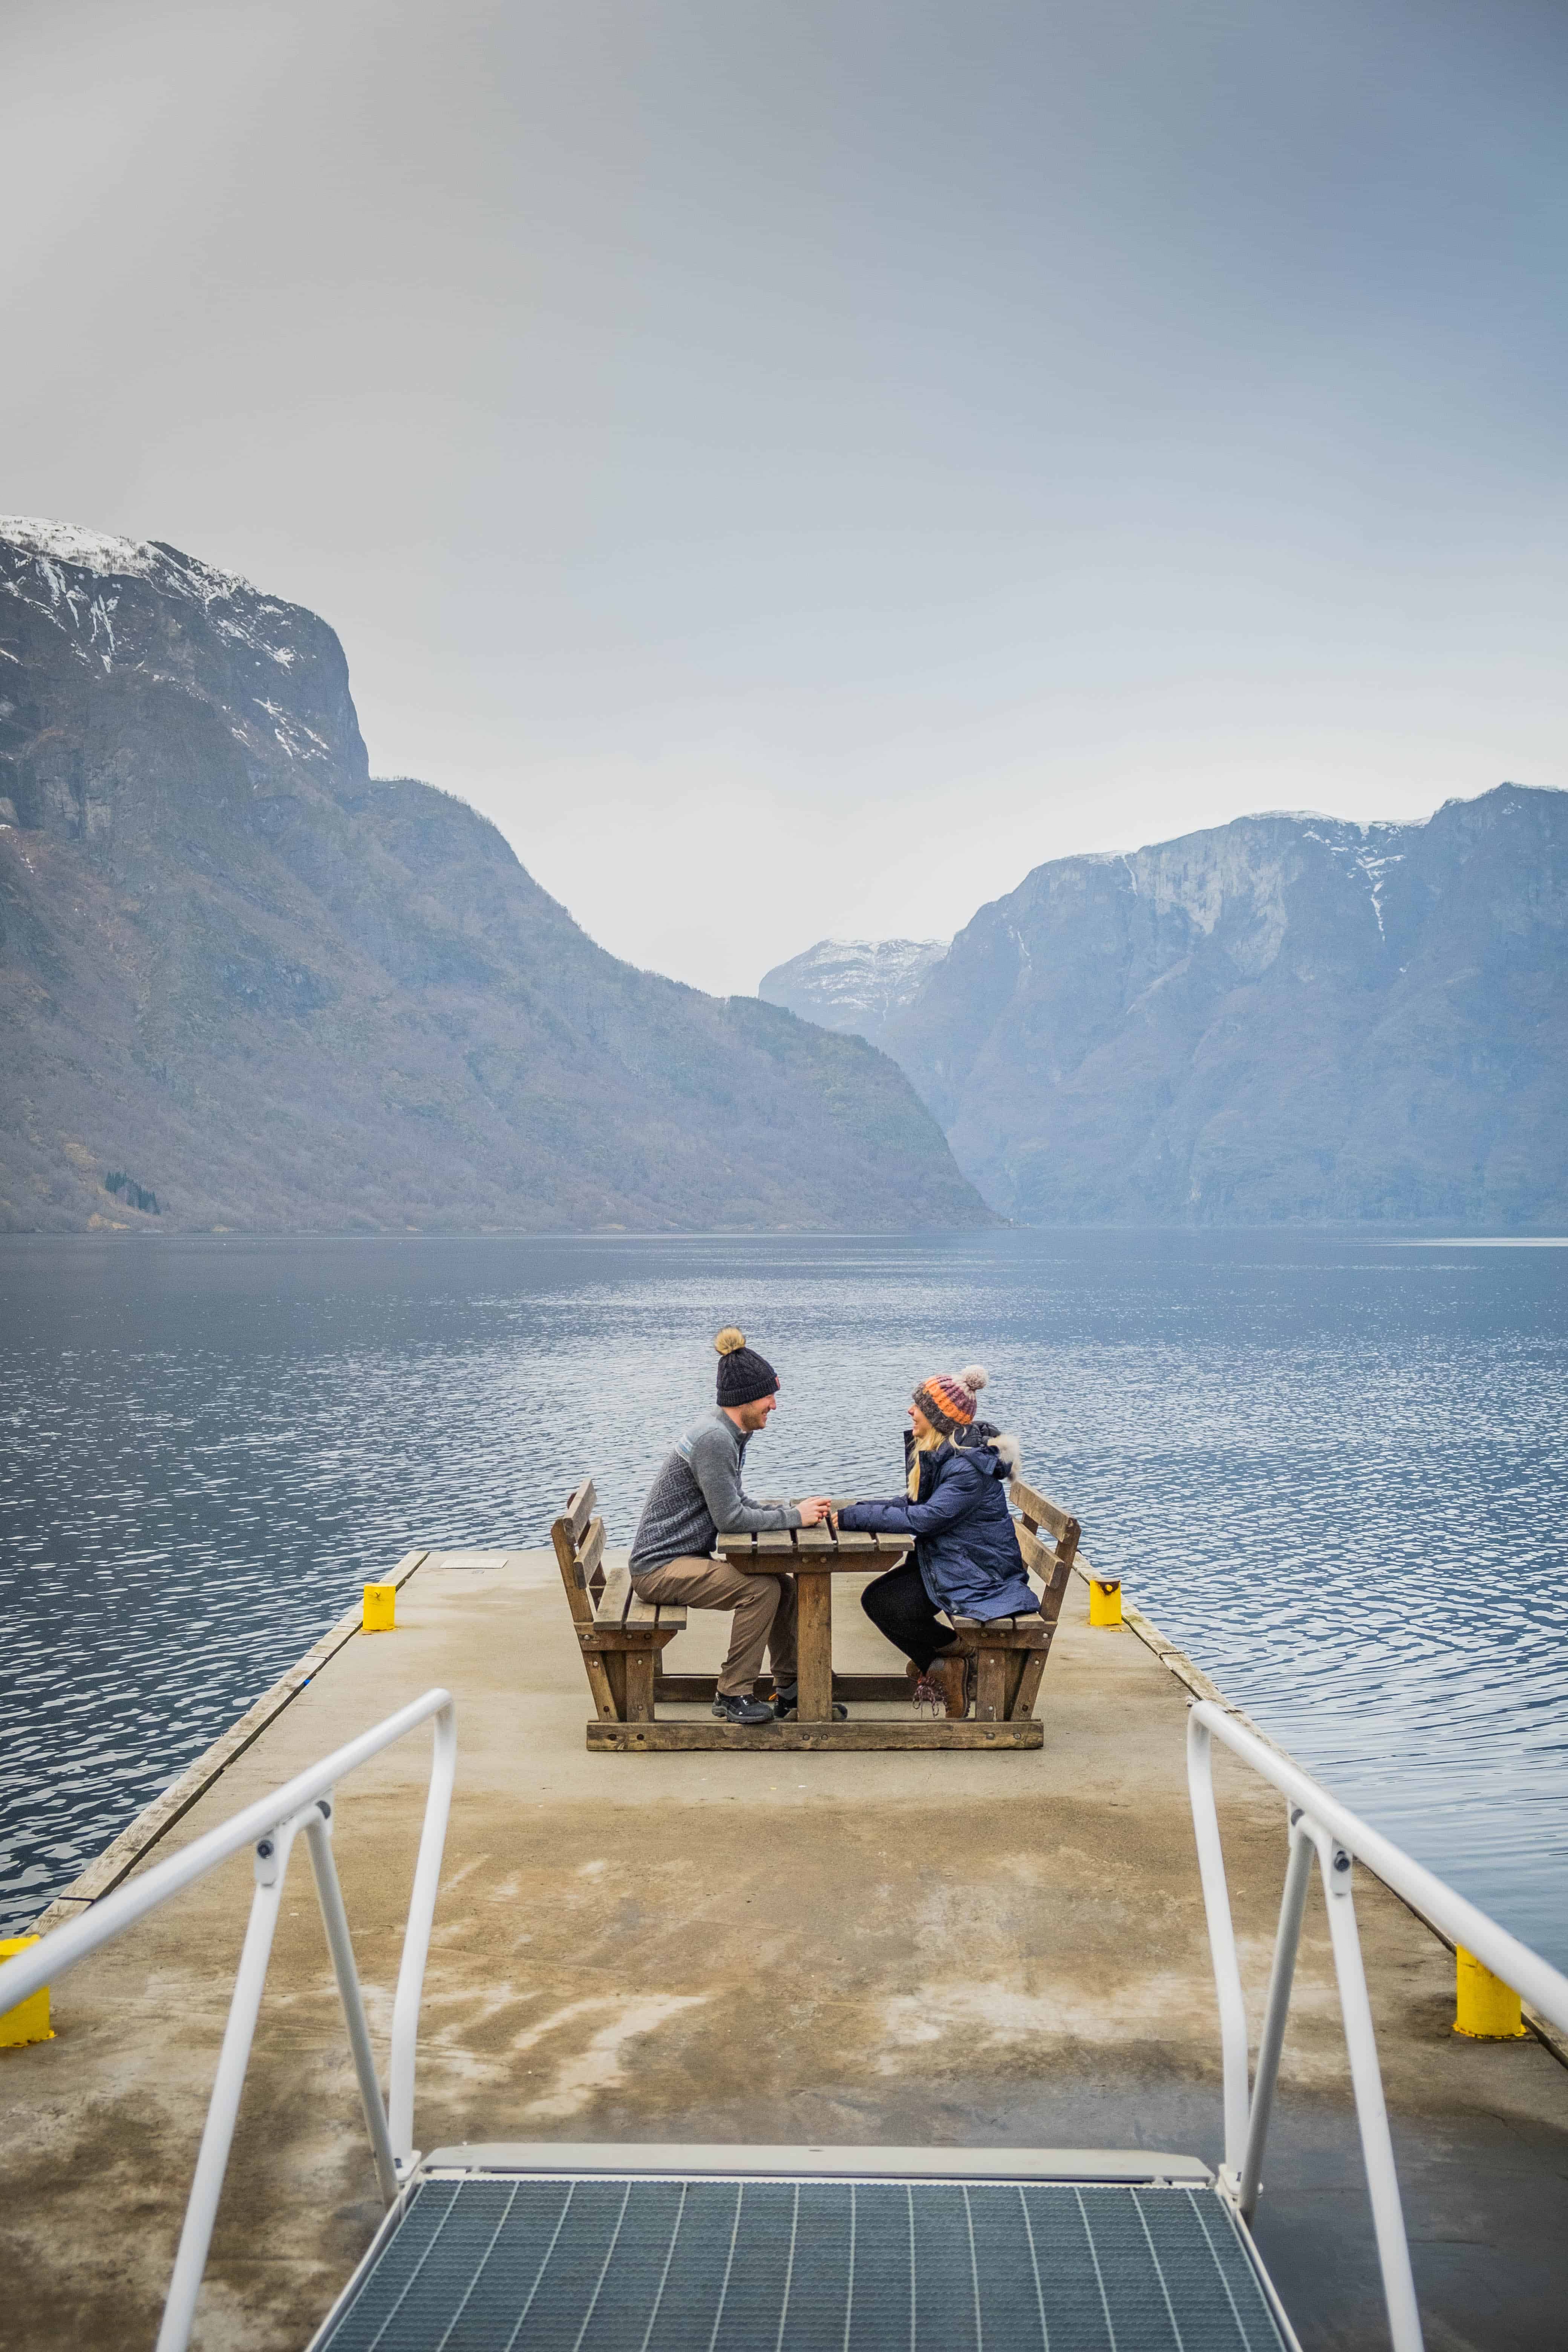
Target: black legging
pixel 899 1606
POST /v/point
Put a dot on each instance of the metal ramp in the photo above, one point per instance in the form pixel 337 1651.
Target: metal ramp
pixel 552 2249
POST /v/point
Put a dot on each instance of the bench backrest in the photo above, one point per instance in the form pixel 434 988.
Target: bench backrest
pixel 578 1536
pixel 1052 1565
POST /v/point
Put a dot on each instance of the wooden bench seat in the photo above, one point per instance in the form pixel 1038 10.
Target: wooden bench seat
pixel 620 1634
pixel 1010 1652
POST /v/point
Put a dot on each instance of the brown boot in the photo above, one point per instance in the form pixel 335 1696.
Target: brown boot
pixel 951 1675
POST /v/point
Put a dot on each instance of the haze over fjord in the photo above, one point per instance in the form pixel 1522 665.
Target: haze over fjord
pixel 829 460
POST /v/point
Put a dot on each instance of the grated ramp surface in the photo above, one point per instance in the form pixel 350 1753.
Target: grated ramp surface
pixel 550 2264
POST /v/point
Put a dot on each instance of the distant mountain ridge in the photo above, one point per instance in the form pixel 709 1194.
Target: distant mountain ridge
pixel 856 986
pixel 266 992
pixel 1288 1017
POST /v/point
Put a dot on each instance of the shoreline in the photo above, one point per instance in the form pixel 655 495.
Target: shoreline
pixel 1430 1234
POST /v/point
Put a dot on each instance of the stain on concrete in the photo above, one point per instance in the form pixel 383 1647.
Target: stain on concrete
pixel 961 1948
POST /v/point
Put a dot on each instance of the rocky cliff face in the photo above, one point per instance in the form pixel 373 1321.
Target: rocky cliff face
pixel 856 986
pixel 1286 1017
pixel 275 994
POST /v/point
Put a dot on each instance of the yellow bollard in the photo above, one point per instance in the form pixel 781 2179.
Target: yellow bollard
pixel 1485 2009
pixel 1105 1600
pixel 380 1608
pixel 29 2020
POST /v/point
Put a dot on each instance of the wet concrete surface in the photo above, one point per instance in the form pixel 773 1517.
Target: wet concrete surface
pixel 963 1948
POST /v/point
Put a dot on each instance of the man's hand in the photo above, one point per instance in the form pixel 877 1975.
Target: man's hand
pixel 814 1509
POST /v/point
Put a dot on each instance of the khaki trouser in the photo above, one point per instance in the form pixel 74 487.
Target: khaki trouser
pixel 763 1607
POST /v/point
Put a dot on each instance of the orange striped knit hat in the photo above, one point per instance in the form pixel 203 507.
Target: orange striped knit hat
pixel 947 1399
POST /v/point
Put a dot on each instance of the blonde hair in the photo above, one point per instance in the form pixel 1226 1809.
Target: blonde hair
pixel 926 1445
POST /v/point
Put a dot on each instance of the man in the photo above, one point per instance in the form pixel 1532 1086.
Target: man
pixel 695 1493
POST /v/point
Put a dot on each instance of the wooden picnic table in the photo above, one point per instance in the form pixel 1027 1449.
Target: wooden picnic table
pixel 816 1555
pixel 624 1639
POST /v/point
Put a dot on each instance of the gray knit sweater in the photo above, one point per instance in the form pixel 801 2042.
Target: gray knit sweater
pixel 695 1492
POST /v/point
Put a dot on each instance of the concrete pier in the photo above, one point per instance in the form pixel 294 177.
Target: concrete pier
pixel 959 1948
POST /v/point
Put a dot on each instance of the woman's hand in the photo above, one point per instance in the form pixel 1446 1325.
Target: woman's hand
pixel 815 1509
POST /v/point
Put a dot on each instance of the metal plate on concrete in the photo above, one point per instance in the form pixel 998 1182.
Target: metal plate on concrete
pixel 492 2264
pixel 1144 2167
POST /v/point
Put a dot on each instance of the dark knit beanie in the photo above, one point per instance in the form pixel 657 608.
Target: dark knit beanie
pixel 743 1375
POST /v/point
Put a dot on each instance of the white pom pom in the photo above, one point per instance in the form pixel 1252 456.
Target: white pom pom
pixel 974 1377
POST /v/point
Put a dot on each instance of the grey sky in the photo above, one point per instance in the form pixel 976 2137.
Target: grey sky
pixel 797 469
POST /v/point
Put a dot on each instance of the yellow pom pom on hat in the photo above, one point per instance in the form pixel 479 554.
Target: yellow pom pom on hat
pixel 743 1375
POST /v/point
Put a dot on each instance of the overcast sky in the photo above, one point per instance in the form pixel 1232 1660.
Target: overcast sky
pixel 798 468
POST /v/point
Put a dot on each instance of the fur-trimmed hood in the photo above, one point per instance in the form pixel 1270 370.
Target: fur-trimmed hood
pixel 984 1435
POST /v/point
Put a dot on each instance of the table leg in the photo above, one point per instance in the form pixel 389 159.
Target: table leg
pixel 813 1623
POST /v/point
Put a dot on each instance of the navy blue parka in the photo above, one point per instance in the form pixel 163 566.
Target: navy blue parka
pixel 966 1546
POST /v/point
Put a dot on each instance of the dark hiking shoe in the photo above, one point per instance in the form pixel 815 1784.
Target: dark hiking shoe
pixel 751 1712
pixel 786 1704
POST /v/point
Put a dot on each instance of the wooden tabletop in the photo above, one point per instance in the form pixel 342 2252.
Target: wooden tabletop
pixel 812 1551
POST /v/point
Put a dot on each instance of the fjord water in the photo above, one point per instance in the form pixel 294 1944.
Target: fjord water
pixel 1334 1469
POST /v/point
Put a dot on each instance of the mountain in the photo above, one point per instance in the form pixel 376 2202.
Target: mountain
pixel 1286 1017
pixel 261 990
pixel 855 986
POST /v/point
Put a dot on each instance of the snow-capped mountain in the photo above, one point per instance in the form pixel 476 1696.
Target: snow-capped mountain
pixel 140 606
pixel 243 985
pixel 1287 1016
pixel 854 985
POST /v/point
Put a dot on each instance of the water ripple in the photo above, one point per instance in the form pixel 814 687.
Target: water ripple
pixel 1336 1472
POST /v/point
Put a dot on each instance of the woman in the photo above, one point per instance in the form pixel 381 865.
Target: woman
pixel 967 1559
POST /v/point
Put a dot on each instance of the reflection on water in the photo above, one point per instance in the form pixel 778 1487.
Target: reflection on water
pixel 1336 1471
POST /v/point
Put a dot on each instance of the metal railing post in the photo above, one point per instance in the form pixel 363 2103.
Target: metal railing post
pixel 1292 1903
pixel 1453 1917
pixel 270 1863
pixel 268 1828
pixel 1337 1836
pixel 1366 2080
pixel 335 1918
pixel 47 1961
pixel 1222 1940
pixel 416 1936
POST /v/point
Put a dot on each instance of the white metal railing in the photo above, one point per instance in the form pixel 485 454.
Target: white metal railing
pixel 269 1827
pixel 1320 1824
